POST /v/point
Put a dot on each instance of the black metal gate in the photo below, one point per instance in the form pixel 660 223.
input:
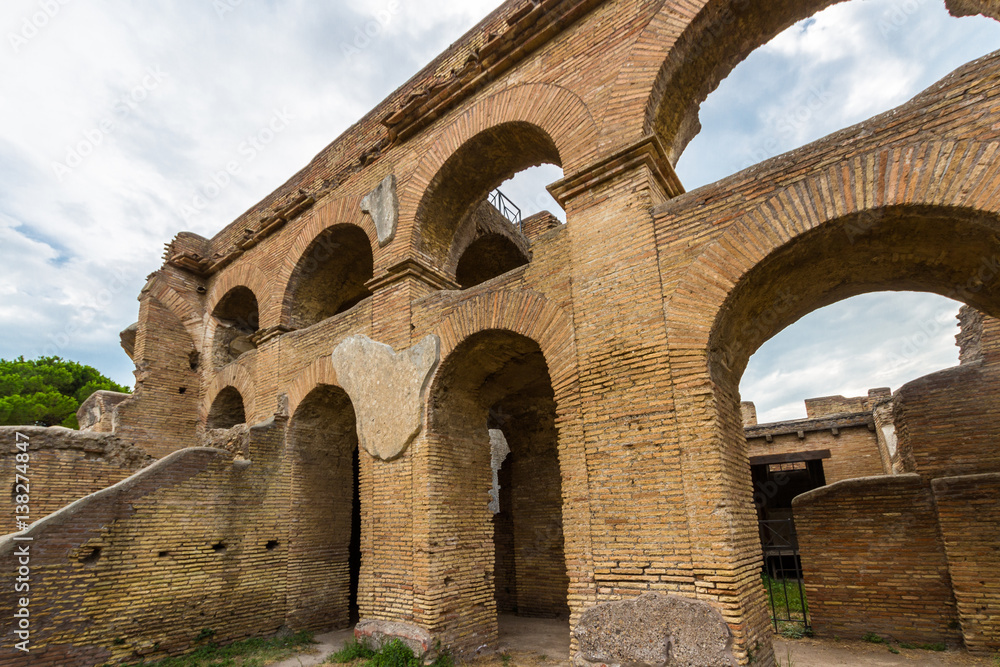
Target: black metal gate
pixel 782 576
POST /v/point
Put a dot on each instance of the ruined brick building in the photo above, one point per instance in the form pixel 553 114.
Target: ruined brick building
pixel 317 383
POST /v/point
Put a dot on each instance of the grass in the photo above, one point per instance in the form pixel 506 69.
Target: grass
pixel 783 595
pixel 393 654
pixel 872 638
pixel 253 652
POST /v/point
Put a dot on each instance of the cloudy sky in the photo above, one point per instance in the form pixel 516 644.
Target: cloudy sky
pixel 115 118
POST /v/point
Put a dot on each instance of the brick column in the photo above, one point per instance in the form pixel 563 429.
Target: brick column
pixel 393 560
pixel 660 511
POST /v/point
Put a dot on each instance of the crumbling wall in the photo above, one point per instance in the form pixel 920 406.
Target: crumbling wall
pixel 969 514
pixel 192 547
pixel 63 465
pixel 97 413
pixel 162 415
pixel 874 562
pixel 826 406
pixel 948 423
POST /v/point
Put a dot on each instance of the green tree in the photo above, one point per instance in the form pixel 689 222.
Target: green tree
pixel 47 390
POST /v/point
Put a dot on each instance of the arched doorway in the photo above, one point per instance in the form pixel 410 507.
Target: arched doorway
pixel 505 546
pixel 324 555
pixel 947 250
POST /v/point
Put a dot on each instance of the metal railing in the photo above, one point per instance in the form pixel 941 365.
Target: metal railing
pixel 783 574
pixel 507 208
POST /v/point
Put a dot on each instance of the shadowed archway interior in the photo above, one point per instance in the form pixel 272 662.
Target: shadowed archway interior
pixel 497 380
pixel 325 546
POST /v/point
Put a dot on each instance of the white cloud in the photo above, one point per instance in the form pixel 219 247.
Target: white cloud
pixel 884 339
pixel 77 251
pixel 78 248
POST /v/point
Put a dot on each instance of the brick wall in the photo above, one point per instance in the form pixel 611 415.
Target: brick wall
pixel 646 306
pixel 162 415
pixel 63 466
pixel 873 561
pixel 969 513
pixel 854 450
pixel 194 541
pixel 944 427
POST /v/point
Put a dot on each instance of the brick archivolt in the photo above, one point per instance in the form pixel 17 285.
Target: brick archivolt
pixel 526 313
pixel 343 211
pixel 318 373
pixel 963 176
pixel 687 49
pixel 558 113
pixel 233 375
pixel 243 274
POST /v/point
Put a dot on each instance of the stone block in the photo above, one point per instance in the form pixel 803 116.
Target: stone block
pixel 377 634
pixel 387 389
pixel 654 630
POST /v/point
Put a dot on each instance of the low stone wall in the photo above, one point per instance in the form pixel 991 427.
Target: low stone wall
pixel 63 465
pixel 969 515
pixel 874 562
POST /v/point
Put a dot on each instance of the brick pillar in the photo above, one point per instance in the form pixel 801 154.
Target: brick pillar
pixel 392 560
pixel 660 508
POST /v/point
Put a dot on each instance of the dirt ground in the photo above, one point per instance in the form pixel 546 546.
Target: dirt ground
pixel 813 652
pixel 536 642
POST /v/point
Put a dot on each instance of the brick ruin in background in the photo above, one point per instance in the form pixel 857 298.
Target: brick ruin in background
pixel 607 351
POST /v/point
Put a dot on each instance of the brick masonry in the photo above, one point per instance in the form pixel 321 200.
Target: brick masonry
pixel 969 512
pixel 617 349
pixel 875 562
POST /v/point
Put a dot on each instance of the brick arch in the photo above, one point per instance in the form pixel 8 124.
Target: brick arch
pixel 242 274
pixel 551 112
pixel 856 195
pixel 533 317
pixel 319 372
pixel 240 379
pixel 342 211
pixel 527 313
pixel 685 51
pixel 843 230
pixel 188 313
